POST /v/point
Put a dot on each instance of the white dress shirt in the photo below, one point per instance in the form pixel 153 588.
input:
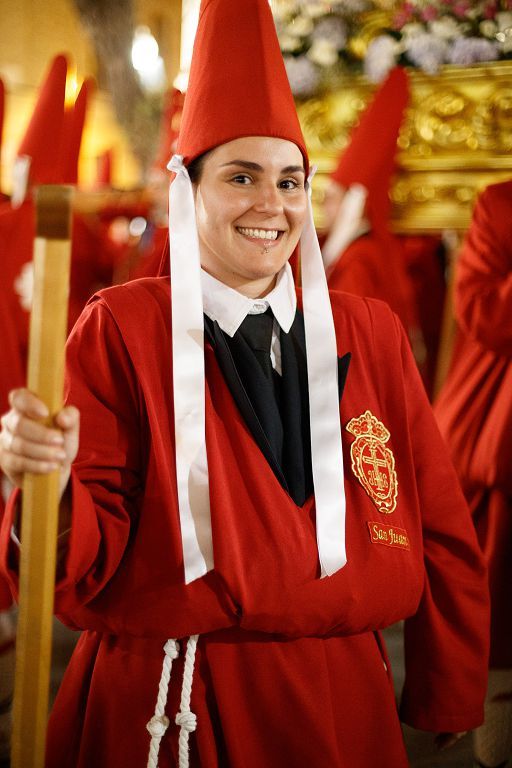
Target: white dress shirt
pixel 229 308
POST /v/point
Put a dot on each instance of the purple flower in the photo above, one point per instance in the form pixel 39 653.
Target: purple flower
pixel 427 52
pixel 469 50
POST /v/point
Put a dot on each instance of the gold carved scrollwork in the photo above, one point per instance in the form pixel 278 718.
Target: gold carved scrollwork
pixel 456 138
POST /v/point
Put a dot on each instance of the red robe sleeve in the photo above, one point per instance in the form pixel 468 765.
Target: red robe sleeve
pixel 483 295
pixel 447 639
pixel 109 462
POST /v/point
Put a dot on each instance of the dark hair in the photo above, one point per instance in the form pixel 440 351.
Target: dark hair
pixel 195 168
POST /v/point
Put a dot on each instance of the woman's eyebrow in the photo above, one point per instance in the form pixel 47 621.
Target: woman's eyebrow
pixel 294 169
pixel 256 167
pixel 244 164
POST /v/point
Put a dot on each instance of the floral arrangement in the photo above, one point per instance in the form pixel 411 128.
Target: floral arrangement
pixel 428 34
pixel 315 40
pixel 320 40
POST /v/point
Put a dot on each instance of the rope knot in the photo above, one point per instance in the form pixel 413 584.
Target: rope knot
pixel 157 726
pixel 187 720
pixel 172 649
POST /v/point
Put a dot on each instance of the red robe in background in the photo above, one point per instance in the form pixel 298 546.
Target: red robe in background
pixel 94 258
pixel 373 266
pixel 424 260
pixel 474 408
pixel 15 240
pixel 290 669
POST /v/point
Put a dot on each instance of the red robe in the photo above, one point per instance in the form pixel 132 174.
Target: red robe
pixel 291 669
pixel 424 261
pixel 15 239
pixel 474 408
pixel 373 266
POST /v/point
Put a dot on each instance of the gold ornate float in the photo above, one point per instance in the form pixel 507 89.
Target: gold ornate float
pixel 456 139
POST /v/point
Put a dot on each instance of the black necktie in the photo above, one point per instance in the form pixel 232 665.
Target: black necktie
pixel 250 347
pixel 257 332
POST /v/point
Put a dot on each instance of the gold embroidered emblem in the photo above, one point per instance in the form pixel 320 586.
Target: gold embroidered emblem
pixel 373 462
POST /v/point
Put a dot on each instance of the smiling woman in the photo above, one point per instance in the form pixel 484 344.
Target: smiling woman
pixel 208 499
pixel 250 212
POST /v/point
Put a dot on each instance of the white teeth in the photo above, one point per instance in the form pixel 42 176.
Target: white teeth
pixel 261 234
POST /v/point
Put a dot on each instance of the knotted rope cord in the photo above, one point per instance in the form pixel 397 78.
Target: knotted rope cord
pixel 159 723
pixel 185 718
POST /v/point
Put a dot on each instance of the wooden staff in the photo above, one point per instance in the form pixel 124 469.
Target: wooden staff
pixel 40 505
pixel 452 240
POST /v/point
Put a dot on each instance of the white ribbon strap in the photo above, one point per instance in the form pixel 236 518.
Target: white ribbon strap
pixel 189 377
pixel 347 224
pixel 326 447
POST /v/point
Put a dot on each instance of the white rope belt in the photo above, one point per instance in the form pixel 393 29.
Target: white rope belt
pixel 186 719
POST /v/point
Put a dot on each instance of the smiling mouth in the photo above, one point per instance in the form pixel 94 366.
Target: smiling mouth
pixel 260 234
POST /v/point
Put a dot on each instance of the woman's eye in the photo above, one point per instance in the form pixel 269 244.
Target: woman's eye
pixel 289 184
pixel 241 178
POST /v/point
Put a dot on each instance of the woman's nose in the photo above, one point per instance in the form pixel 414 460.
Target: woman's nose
pixel 268 199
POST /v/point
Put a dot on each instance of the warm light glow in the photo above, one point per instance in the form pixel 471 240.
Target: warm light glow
pixel 72 88
pixel 144 50
pixel 147 62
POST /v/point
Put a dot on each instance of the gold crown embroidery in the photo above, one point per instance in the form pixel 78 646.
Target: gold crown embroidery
pixel 373 462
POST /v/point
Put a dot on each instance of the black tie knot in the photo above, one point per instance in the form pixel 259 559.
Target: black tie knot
pixel 257 331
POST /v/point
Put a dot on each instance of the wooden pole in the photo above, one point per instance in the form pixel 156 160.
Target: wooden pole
pixel 40 505
pixel 452 241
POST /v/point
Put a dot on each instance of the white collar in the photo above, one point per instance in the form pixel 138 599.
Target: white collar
pixel 230 308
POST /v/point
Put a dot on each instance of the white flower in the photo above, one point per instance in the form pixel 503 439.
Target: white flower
pixel 323 53
pixel 504 20
pixel 333 29
pixel 284 8
pixel 315 9
pixel 302 74
pixel 446 28
pixel 289 44
pixel 488 28
pixel 348 7
pixel 504 34
pixel 380 57
pixel 300 27
pixel 412 29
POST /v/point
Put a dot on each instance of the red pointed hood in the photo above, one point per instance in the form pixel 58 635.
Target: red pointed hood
pixel 238 84
pixel 369 158
pixel 73 126
pixel 43 135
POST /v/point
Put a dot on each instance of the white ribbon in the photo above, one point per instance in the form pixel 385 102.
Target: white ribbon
pixel 324 409
pixel 20 177
pixel 189 389
pixel 348 225
pixel 189 377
